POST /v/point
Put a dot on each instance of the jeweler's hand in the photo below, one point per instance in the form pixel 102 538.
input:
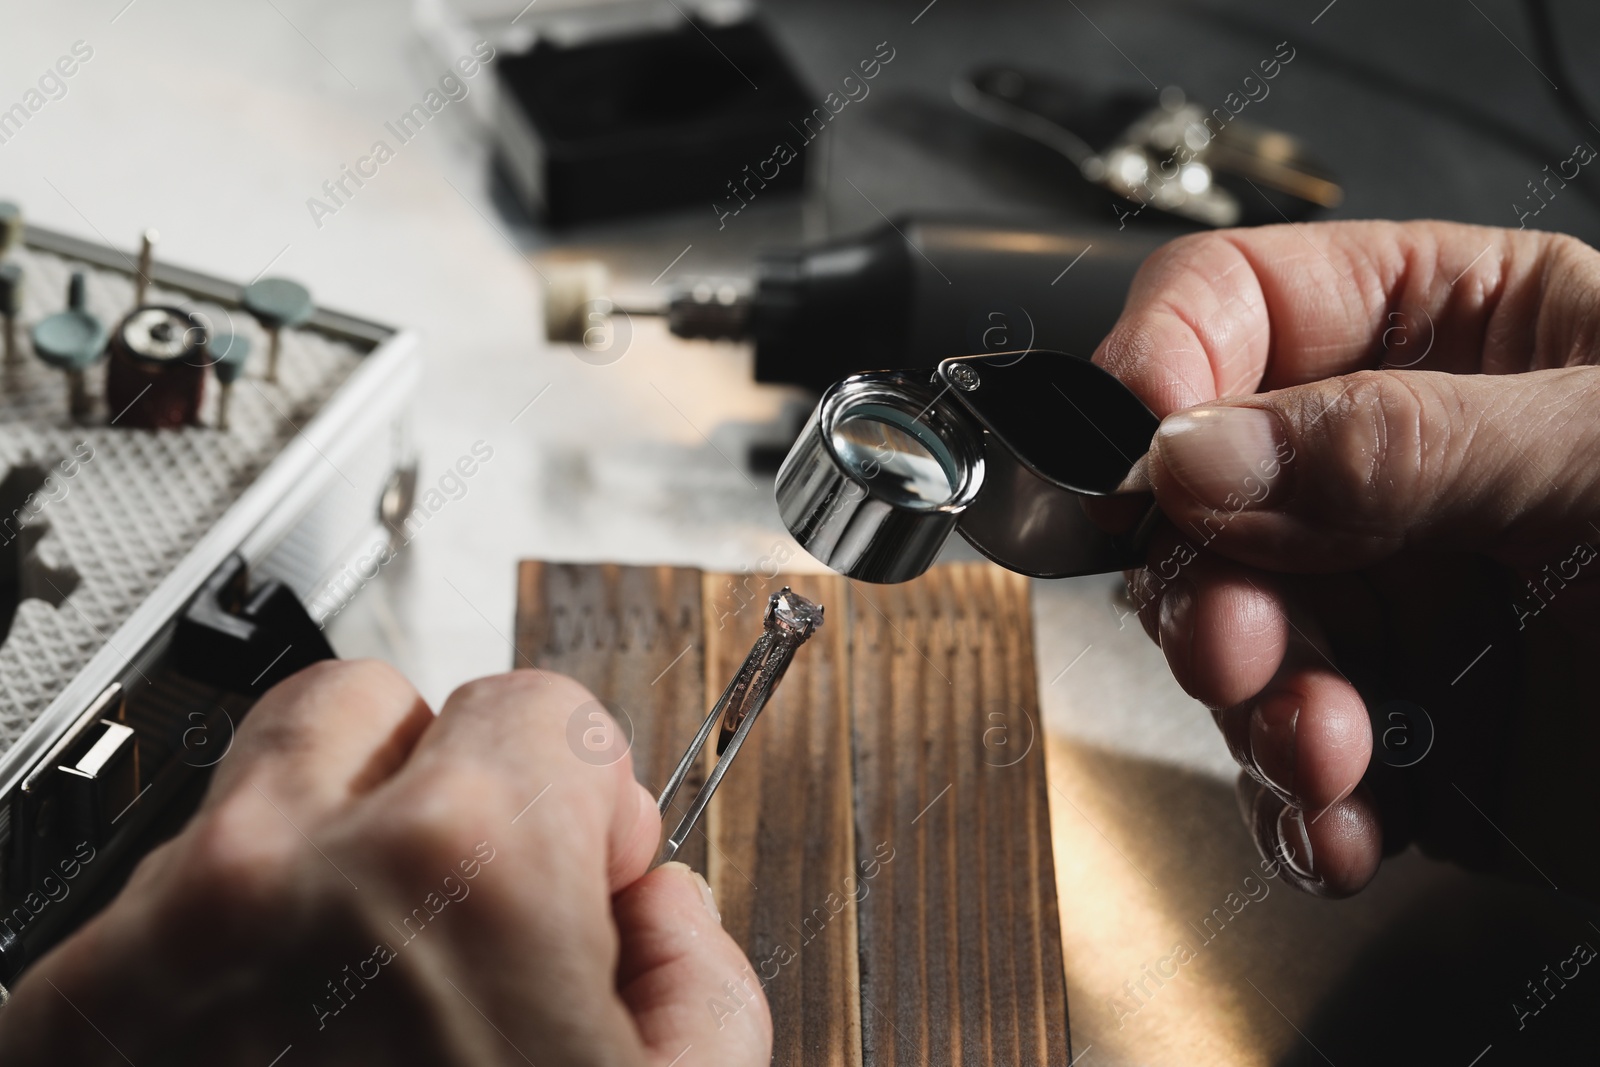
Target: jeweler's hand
pixel 369 884
pixel 1394 507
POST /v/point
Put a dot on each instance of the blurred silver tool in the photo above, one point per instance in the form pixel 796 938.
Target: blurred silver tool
pixel 790 619
pixel 1120 142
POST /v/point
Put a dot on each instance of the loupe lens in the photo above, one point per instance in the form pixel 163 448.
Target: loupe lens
pixel 880 476
pixel 904 461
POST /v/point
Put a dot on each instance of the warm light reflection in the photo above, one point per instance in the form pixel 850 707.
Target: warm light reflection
pixel 1018 241
pixel 1114 923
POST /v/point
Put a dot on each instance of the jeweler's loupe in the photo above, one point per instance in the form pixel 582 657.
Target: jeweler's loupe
pixel 1025 453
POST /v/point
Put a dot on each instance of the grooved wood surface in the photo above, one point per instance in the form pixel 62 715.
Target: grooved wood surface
pixel 634 636
pixel 960 940
pixel 783 855
pixel 881 847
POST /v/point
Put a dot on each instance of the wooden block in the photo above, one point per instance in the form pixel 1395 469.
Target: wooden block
pixel 781 828
pixel 634 636
pixel 881 848
pixel 960 943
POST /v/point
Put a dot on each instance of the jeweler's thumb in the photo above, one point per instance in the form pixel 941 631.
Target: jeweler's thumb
pixel 696 999
pixel 1344 472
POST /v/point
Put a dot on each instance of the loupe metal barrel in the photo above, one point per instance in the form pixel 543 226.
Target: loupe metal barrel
pixel 880 477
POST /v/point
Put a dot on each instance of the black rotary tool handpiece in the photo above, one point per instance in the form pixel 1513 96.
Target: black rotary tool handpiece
pixel 906 294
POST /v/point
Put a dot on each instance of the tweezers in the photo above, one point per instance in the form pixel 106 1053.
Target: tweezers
pixel 790 619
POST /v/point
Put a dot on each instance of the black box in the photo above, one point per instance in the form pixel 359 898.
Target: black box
pixel 653 120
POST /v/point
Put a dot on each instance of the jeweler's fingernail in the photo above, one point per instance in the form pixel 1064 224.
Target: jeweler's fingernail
pixel 706 897
pixel 1294 843
pixel 1137 479
pixel 1227 457
pixel 1177 628
pixel 701 884
pixel 1272 743
pixel 1245 791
